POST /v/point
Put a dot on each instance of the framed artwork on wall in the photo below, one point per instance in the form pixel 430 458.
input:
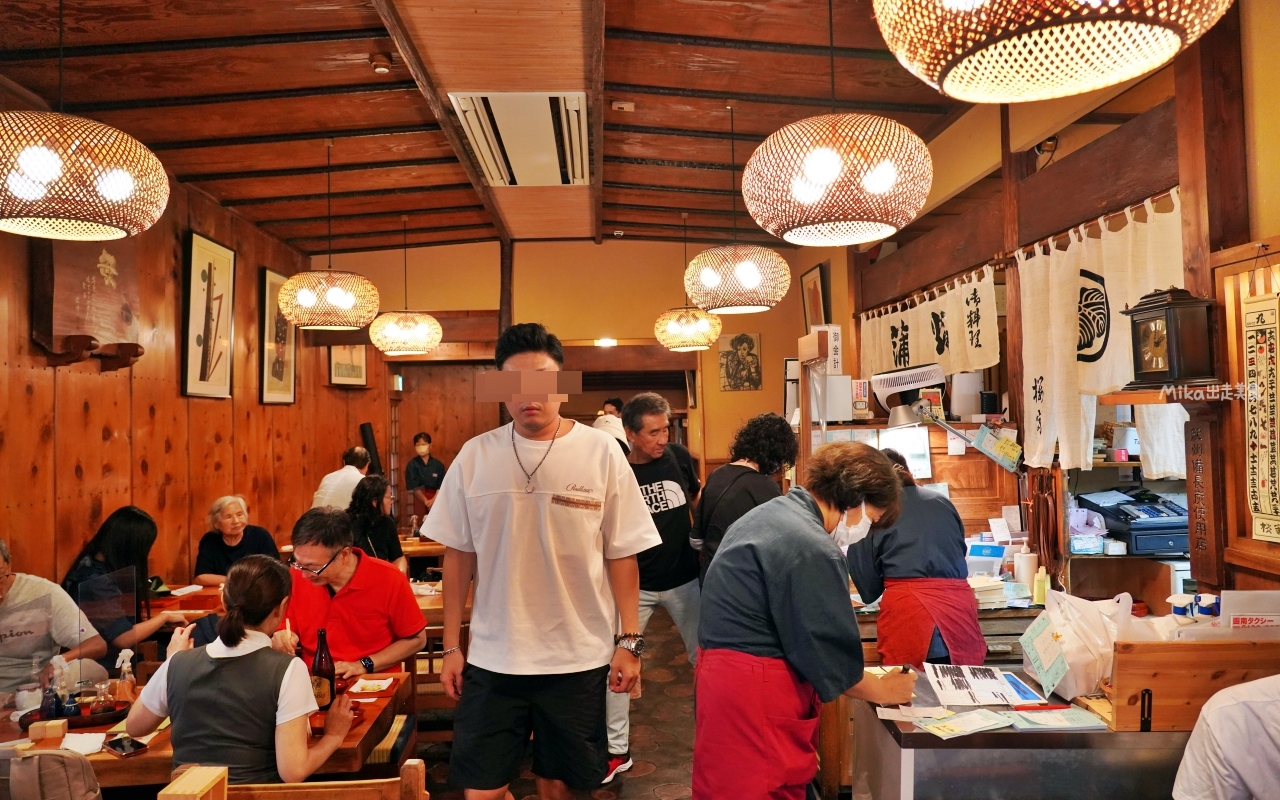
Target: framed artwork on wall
pixel 740 362
pixel 277 343
pixel 347 365
pixel 209 328
pixel 814 288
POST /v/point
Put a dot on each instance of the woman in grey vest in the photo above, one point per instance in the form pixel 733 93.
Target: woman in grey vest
pixel 236 702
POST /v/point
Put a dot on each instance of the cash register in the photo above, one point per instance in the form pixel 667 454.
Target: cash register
pixel 1147 522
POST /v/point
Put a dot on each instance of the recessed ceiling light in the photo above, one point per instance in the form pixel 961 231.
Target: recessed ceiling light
pixel 381 64
pixel 606 342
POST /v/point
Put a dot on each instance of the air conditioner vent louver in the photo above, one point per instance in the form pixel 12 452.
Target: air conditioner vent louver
pixel 526 138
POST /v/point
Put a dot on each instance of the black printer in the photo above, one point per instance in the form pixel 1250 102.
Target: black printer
pixel 1142 519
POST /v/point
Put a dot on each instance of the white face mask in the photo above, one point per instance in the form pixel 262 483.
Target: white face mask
pixel 846 535
pixel 423 449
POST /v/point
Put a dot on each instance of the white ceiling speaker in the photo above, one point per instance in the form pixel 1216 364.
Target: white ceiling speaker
pixel 527 138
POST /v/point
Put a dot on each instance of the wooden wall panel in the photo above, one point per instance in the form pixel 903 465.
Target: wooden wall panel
pixel 978 486
pixel 441 401
pixel 76 443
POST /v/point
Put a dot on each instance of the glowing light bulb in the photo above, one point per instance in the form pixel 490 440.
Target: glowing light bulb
pixel 40 164
pixel 116 185
pixel 805 192
pixel 673 327
pixel 709 278
pixel 307 298
pixel 822 166
pixel 748 274
pixel 703 325
pixel 23 188
pixel 881 178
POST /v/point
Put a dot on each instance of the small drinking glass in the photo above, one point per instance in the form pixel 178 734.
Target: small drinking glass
pixel 86 693
pixel 104 703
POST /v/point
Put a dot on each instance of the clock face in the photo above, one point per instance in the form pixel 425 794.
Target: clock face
pixel 1153 343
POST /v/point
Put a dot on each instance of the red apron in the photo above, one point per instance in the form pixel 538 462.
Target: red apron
pixel 757 728
pixel 912 607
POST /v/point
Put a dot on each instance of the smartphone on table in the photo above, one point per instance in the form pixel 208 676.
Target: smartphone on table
pixel 125 747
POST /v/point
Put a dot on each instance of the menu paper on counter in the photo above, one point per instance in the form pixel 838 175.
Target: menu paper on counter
pixel 956 445
pixel 1040 645
pixel 963 724
pixel 1001 449
pixel 958 685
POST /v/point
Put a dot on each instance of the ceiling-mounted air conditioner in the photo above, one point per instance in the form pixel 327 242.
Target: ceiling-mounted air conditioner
pixel 526 138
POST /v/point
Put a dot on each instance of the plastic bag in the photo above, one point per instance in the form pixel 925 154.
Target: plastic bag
pixel 1087 632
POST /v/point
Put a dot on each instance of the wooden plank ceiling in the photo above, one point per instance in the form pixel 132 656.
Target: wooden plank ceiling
pixel 237 97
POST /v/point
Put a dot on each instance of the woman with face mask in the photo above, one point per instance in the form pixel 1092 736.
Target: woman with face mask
pixel 917 570
pixel 423 475
pixel 777 632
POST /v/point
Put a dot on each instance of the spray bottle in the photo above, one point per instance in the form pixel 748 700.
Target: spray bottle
pixel 126 686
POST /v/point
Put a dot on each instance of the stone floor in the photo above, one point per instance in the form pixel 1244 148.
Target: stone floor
pixel 661 731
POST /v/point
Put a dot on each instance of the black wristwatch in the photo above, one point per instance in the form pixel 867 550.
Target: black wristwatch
pixel 633 643
pixel 367 663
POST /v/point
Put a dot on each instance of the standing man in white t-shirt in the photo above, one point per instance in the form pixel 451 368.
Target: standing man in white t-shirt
pixel 546 516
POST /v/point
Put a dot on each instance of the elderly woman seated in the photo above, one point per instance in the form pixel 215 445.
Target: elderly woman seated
pixel 230 538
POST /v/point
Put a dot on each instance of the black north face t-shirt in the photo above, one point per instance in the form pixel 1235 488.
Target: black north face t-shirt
pixel 668 484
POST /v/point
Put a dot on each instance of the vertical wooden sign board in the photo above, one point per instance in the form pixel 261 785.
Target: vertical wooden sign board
pixel 1261 318
pixel 1204 487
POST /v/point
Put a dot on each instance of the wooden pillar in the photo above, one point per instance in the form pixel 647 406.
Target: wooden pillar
pixel 1212 172
pixel 504 286
pixel 1205 508
pixel 858 264
pixel 1014 167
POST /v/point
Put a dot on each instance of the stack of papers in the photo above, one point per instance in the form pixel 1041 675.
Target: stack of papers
pixel 970 686
pixel 989 591
pixel 1071 719
pixel 966 723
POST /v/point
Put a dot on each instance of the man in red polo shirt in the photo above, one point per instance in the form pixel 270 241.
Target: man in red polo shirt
pixel 365 605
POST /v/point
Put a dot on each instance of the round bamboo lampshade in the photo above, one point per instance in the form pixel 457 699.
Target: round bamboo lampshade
pixel 329 300
pixel 65 177
pixel 737 279
pixel 687 328
pixel 405 333
pixel 1015 51
pixel 837 179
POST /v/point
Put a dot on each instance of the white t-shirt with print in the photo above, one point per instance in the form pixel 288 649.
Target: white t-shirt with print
pixel 37 618
pixel 543 602
pixel 296 698
pixel 1234 750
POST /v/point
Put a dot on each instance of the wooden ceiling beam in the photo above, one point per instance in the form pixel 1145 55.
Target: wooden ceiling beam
pixel 257 201
pixel 392 232
pixel 400 246
pixel 660 188
pixel 663 162
pixel 293 136
pixel 318 170
pixel 180 45
pixel 413 60
pixel 676 210
pixel 680 226
pixel 371 215
pixel 235 97
pixel 705 240
pixel 651 130
pixel 747 44
pixel 780 100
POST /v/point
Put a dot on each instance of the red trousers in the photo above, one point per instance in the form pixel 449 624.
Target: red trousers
pixel 912 607
pixel 757 728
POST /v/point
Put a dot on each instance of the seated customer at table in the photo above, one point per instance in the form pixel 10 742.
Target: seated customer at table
pixel 122 542
pixel 230 538
pixel 37 621
pixel 237 702
pixel 372 619
pixel 373 529
pixel 916 568
pixel 1234 750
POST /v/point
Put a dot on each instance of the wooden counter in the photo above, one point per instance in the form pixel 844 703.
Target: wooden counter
pixel 156 764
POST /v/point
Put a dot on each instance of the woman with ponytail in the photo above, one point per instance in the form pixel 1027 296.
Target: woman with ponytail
pixel 917 569
pixel 236 702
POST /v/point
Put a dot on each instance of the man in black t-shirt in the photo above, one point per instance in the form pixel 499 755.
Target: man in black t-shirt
pixel 669 572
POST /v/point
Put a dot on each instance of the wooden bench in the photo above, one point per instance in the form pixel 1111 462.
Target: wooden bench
pixel 210 783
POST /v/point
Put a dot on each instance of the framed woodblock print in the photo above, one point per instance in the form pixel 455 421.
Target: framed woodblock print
pixel 278 343
pixel 210 292
pixel 740 362
pixel 813 294
pixel 347 365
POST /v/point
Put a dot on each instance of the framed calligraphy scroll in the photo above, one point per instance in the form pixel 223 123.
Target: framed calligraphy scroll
pixel 1261 318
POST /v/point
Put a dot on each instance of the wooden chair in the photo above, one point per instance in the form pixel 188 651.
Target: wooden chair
pixel 210 783
pixel 428 689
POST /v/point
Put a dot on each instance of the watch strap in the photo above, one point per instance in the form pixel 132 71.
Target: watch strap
pixel 367 663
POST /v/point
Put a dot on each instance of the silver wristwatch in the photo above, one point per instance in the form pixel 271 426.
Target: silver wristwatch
pixel 633 643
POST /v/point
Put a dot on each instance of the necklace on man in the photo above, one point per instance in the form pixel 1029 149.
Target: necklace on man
pixel 528 485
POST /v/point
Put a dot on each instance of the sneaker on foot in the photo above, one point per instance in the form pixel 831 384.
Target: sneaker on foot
pixel 617 763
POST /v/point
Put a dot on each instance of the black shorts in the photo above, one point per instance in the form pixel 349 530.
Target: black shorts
pixel 565 713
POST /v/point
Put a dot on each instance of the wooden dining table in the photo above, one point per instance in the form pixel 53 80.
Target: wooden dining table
pixel 416 548
pixel 155 766
pixel 432 606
